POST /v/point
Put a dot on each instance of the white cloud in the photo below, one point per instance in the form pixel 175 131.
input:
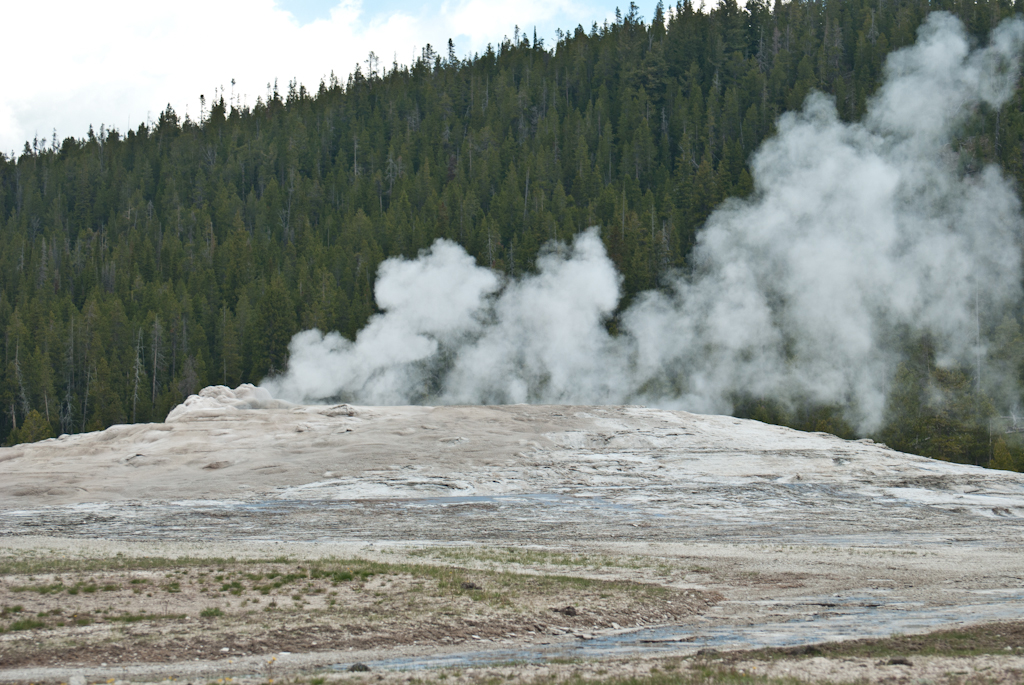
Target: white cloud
pixel 117 62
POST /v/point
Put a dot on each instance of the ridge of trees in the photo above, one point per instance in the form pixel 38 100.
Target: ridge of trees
pixel 136 269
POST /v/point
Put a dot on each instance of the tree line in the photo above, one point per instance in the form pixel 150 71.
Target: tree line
pixel 138 267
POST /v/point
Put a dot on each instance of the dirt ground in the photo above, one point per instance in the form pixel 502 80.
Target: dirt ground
pixel 153 610
pixel 112 611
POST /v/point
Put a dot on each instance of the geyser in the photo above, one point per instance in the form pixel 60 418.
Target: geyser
pixel 854 234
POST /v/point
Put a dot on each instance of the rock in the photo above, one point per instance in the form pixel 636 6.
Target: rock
pixel 806 650
pixel 76 680
pixel 358 667
pixel 339 410
pixel 214 466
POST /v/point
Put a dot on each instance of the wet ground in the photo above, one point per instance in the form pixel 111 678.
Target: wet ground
pixel 811 513
pixel 835 619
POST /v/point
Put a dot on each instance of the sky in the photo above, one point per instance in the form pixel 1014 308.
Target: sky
pixel 119 63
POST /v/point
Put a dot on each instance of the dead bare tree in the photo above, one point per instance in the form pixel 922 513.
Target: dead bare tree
pixel 136 372
pixel 156 353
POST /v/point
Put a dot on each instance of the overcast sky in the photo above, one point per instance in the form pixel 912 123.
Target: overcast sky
pixel 69 64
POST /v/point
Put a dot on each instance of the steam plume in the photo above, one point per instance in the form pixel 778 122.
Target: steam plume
pixel 855 232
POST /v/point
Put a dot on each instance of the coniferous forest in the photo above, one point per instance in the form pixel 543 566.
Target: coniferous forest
pixel 137 267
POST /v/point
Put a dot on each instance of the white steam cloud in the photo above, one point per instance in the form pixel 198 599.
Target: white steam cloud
pixel 855 234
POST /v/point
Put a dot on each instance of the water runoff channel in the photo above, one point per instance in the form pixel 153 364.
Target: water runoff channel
pixel 839 618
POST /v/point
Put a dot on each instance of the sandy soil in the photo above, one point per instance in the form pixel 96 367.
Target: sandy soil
pixel 687 533
pixel 162 611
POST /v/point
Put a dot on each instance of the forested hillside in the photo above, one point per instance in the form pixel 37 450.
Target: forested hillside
pixel 137 267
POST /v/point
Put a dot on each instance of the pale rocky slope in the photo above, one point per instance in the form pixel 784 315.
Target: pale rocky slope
pixel 242 444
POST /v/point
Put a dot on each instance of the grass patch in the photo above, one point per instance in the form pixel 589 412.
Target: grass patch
pixel 699 675
pixel 27 624
pixel 504 556
pixel 40 589
pixel 130 618
pixel 136 618
pixel 211 612
pixel 494 587
pixel 45 564
pixel 990 638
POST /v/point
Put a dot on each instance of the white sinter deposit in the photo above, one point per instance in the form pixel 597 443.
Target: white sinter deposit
pixel 646 471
